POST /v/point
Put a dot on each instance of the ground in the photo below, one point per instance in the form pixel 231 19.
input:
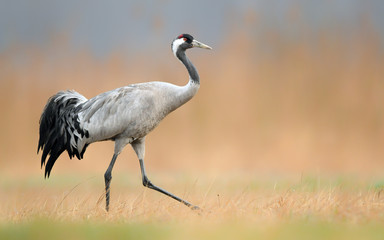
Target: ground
pixel 233 206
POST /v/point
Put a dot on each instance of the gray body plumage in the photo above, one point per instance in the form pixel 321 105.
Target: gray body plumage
pixel 70 122
pixel 129 113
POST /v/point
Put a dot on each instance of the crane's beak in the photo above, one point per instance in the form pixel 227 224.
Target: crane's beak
pixel 200 45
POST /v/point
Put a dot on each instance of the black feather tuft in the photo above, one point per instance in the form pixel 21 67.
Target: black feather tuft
pixel 58 123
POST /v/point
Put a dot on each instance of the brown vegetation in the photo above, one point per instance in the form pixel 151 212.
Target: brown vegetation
pixel 267 105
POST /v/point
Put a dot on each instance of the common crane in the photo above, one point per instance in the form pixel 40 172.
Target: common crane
pixel 125 115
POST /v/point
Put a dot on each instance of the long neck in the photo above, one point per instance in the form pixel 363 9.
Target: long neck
pixel 193 75
pixel 185 93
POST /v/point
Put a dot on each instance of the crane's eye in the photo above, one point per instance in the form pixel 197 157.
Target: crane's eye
pixel 185 39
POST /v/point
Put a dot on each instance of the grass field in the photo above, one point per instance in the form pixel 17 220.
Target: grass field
pixel 233 207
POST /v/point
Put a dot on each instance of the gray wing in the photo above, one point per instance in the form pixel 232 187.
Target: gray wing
pixel 132 111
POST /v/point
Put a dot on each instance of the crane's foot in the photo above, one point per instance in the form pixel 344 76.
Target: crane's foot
pixel 190 205
pixel 195 208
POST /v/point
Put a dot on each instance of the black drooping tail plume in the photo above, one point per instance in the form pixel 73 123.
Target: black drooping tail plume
pixel 60 128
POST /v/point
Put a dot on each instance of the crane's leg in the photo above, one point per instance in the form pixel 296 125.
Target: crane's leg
pixel 139 148
pixel 108 178
pixel 150 185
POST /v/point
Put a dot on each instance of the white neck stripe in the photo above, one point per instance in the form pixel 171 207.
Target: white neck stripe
pixel 176 45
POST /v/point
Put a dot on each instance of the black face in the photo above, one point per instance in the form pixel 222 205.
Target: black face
pixel 187 38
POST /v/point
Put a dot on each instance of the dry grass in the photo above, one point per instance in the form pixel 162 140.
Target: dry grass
pixel 223 199
pixel 254 206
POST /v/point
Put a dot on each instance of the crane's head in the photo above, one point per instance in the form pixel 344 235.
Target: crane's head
pixel 186 41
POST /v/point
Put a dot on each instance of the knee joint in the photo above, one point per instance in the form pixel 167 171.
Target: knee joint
pixel 146 182
pixel 107 176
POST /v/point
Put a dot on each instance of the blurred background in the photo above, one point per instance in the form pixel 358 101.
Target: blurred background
pixel 290 87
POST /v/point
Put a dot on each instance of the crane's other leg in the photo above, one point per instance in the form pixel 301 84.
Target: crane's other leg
pixel 139 147
pixel 108 178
